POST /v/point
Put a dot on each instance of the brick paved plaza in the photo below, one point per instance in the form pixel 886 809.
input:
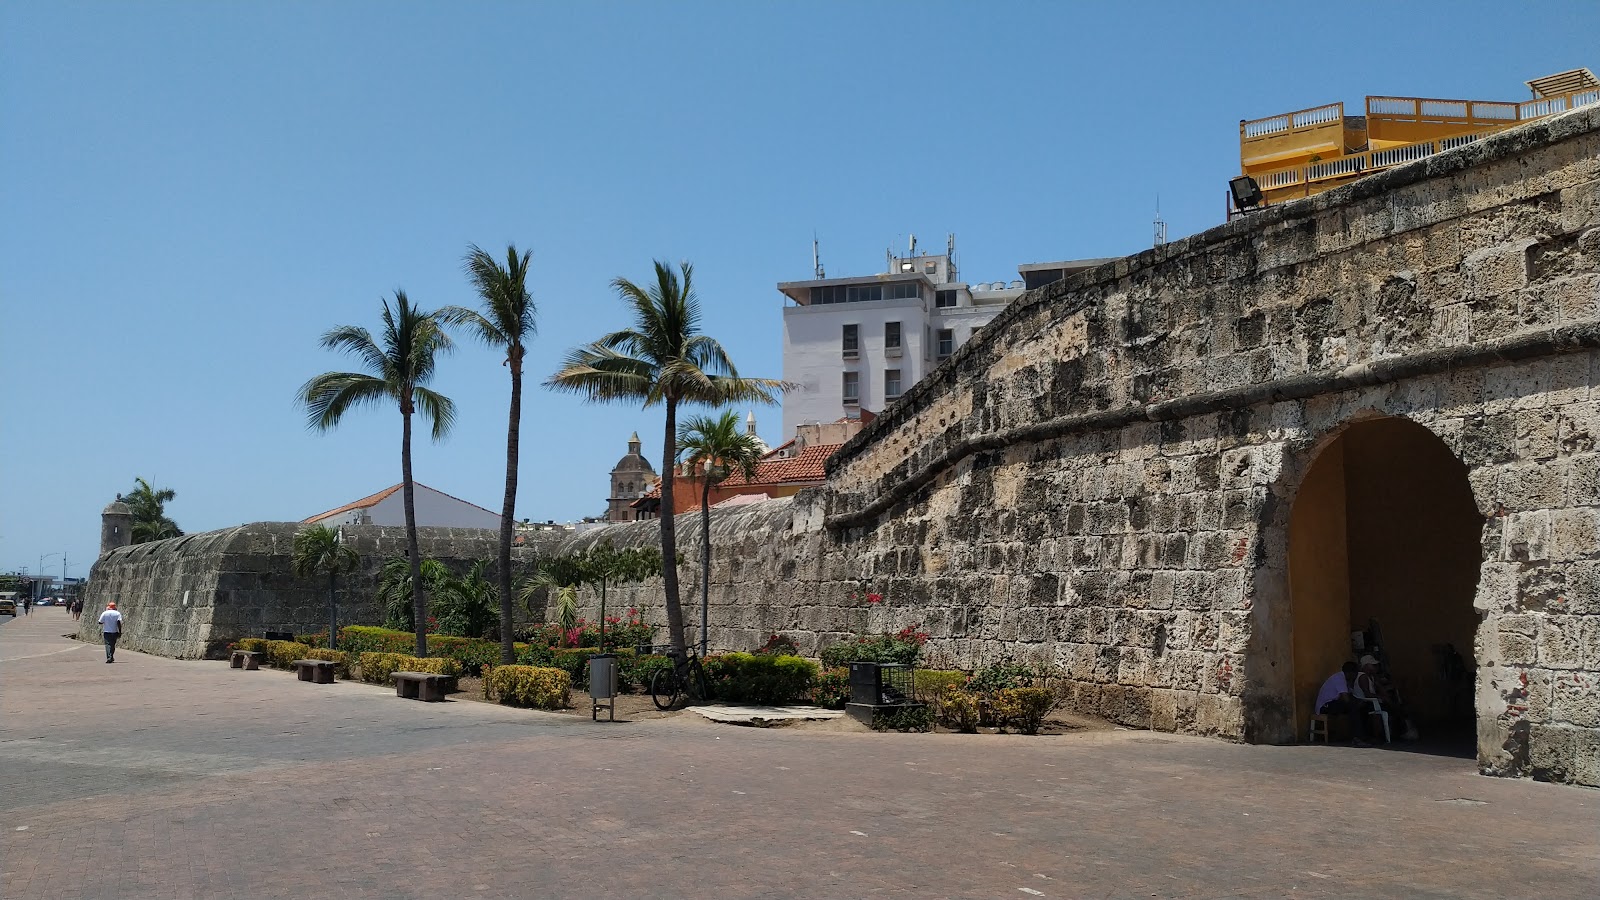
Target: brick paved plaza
pixel 163 778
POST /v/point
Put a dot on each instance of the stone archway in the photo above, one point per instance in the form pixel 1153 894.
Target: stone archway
pixel 1384 528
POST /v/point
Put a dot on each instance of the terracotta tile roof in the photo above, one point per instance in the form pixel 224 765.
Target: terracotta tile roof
pixel 363 503
pixel 374 499
pixel 806 468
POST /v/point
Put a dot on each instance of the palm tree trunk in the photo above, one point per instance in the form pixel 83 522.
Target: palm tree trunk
pixel 333 611
pixel 508 508
pixel 705 560
pixel 669 534
pixel 419 610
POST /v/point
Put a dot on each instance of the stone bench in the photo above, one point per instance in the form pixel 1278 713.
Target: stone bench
pixel 420 685
pixel 245 659
pixel 319 671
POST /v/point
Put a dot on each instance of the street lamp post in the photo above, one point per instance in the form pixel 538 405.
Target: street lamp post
pixel 39 589
pixel 705 555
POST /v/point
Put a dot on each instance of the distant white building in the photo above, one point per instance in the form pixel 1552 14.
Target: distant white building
pixel 387 507
pixel 859 343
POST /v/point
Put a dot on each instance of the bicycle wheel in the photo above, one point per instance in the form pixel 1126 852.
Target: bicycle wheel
pixel 698 689
pixel 665 686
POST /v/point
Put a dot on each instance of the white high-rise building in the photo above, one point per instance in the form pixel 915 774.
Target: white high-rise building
pixel 853 344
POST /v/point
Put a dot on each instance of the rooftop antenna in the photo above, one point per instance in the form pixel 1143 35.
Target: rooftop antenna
pixel 816 257
pixel 913 246
pixel 1161 225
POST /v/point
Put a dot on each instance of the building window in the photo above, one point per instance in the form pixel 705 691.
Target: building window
pixel 863 293
pixel 832 293
pixel 930 267
pixel 891 384
pixel 891 335
pixel 852 341
pixel 945 299
pixel 852 388
pixel 904 290
pixel 947 342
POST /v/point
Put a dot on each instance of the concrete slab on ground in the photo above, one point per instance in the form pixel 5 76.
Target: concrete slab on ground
pixel 752 715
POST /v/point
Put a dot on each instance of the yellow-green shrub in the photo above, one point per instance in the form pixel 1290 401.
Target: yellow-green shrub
pixel 533 686
pixel 341 661
pixel 377 667
pixel 282 654
pixel 961 708
pixel 1024 707
pixel 931 684
pixel 253 645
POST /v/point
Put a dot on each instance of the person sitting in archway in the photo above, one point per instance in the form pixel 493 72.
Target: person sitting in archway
pixel 1339 697
pixel 1374 684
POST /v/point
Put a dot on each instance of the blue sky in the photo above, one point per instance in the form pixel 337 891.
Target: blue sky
pixel 194 192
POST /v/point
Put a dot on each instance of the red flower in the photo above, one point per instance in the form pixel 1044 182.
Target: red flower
pixel 874 598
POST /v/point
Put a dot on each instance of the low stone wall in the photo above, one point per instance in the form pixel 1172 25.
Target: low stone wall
pixel 189 597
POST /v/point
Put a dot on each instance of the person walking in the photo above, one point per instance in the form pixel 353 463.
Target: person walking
pixel 27 605
pixel 111 629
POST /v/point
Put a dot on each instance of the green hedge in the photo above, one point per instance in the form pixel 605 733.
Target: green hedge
pixel 377 667
pixel 533 686
pixel 471 653
pixel 282 654
pixel 341 661
pixel 749 678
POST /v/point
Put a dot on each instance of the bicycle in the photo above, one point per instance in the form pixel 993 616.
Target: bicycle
pixel 686 680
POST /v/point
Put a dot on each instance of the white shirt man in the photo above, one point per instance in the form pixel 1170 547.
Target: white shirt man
pixel 111 629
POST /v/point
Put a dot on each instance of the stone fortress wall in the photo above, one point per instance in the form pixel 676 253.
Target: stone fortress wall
pixel 1104 478
pixel 1108 476
pixel 189 597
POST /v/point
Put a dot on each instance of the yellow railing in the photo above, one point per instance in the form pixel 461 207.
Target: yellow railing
pixel 1480 113
pixel 1272 126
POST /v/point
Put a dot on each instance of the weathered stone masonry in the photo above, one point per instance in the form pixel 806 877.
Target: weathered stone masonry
pixel 188 597
pixel 1103 477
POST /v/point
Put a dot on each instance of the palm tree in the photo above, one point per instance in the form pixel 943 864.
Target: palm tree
pixel 395 594
pixel 467 604
pixel 714 447
pixel 507 321
pixel 399 363
pixel 663 359
pixel 322 549
pixel 148 504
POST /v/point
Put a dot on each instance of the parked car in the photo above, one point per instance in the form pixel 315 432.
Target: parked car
pixel 45 601
pixel 8 606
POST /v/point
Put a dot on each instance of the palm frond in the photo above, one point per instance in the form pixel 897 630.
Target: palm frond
pixel 436 409
pixel 357 340
pixel 328 396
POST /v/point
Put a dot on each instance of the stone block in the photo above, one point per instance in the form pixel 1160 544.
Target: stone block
pixel 1574 533
pixel 1576 699
pixel 1561 644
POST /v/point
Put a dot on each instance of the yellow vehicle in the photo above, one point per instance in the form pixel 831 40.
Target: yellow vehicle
pixel 8 606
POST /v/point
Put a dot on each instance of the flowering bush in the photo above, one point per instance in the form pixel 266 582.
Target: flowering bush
pixel 903 646
pixel 865 594
pixel 779 645
pixel 621 631
pixel 832 689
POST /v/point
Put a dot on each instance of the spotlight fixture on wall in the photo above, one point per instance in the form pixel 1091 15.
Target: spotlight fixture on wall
pixel 1246 193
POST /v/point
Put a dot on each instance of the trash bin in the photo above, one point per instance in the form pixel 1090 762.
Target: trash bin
pixel 603 676
pixel 603 686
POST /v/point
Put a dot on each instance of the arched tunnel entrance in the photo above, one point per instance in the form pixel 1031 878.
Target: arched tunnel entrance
pixel 1385 531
